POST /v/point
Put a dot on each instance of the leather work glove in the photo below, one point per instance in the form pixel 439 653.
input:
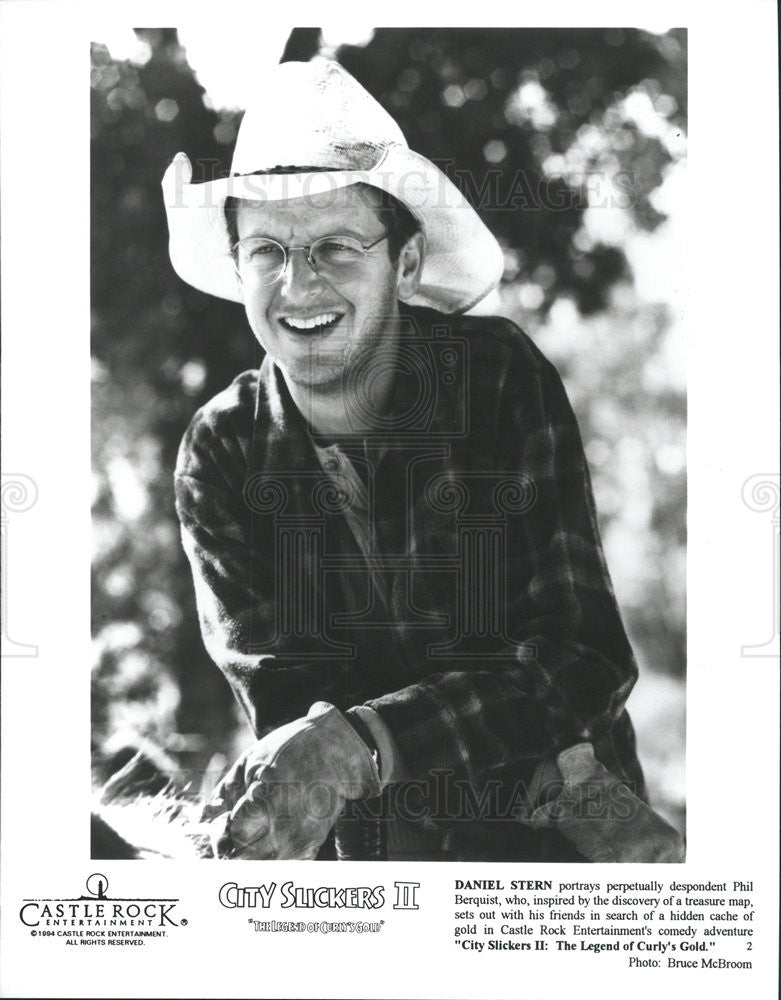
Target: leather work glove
pixel 601 816
pixel 285 792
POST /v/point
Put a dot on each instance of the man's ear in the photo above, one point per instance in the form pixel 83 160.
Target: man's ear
pixel 410 266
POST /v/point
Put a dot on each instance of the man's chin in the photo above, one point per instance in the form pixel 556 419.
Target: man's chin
pixel 316 379
pixel 322 366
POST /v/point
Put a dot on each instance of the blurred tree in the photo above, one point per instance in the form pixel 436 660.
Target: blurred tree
pixel 160 349
pixel 494 107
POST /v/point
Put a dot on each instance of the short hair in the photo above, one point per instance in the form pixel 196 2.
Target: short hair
pixel 400 224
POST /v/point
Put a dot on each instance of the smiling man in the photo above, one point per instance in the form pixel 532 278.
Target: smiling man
pixel 390 523
pixel 322 307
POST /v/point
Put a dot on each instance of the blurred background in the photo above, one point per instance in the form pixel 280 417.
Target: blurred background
pixel 571 145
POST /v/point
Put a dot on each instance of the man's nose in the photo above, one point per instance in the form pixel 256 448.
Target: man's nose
pixel 299 279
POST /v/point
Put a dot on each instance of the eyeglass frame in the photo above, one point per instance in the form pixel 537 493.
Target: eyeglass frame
pixel 286 251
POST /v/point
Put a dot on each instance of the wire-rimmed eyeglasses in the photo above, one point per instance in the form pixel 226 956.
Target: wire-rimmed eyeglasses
pixel 335 258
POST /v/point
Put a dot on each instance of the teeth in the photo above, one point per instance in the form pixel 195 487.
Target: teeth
pixel 309 324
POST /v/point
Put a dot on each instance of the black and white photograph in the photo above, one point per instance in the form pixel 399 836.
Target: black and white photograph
pixel 389 475
pixel 423 290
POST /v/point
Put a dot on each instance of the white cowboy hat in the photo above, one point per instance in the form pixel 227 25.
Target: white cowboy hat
pixel 313 129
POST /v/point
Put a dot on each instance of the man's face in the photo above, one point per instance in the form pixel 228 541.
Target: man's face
pixel 353 318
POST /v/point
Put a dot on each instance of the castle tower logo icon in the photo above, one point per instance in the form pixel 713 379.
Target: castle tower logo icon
pixel 97 886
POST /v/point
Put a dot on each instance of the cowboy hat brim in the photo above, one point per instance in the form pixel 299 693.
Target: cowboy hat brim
pixel 463 261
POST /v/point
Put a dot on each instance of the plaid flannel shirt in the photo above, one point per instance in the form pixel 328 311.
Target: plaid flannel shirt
pixel 444 569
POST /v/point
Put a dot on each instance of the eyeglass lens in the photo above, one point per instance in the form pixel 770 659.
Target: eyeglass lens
pixel 335 258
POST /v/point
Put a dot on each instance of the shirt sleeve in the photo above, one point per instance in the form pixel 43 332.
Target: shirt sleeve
pixel 570 668
pixel 233 567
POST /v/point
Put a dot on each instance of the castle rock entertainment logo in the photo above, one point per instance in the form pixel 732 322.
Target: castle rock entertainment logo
pixel 98 918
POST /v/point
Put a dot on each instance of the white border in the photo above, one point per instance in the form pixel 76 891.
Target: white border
pixel 733 701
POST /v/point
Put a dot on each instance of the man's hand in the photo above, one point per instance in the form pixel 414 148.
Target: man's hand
pixel 285 792
pixel 599 813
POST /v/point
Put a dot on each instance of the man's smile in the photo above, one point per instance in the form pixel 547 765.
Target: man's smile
pixel 318 323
